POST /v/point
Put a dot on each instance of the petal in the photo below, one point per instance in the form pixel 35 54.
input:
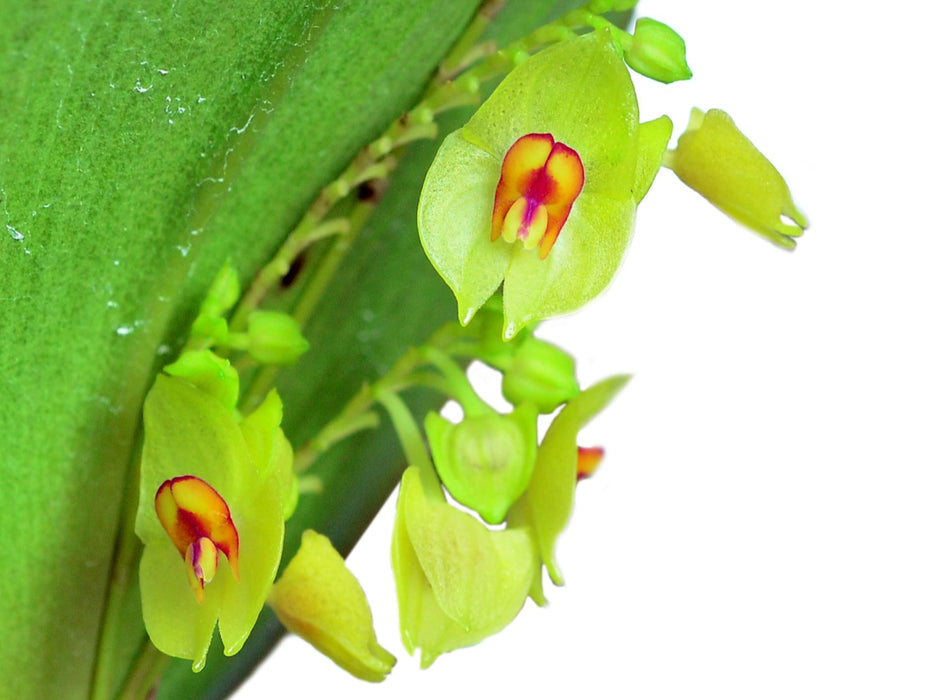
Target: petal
pixel 177 624
pixel 578 91
pixel 457 582
pixel 528 154
pixel 262 530
pixel 653 138
pixel 548 502
pixel 188 432
pixel 454 215
pixel 480 578
pixel 578 268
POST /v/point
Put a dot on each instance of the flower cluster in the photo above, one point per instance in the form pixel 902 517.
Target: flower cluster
pixel 458 579
pixel 526 213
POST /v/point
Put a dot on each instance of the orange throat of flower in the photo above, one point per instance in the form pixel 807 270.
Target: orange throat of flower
pixel 540 181
pixel 199 524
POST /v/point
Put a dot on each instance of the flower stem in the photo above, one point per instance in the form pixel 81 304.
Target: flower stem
pixel 357 415
pixel 145 673
pixel 126 556
pixel 459 385
pixel 468 48
pixel 406 428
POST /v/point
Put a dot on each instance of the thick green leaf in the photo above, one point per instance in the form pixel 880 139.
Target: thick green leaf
pixel 142 144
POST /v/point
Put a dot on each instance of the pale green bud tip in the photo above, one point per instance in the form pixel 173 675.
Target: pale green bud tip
pixel 210 373
pixel 223 293
pixel 717 160
pixel 318 599
pixel 540 373
pixel 657 52
pixel 274 338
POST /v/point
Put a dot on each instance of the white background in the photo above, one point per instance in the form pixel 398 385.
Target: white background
pixel 763 524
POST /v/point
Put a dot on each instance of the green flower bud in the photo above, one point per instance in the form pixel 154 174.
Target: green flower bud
pixel 485 461
pixel 223 292
pixel 210 330
pixel 320 600
pixel 274 338
pixel 657 52
pixel 210 373
pixel 716 159
pixel 542 374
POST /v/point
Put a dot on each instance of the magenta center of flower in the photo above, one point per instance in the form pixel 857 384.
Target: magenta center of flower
pixel 540 181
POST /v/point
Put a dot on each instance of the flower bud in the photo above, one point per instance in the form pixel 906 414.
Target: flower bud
pixel 210 330
pixel 542 374
pixel 210 373
pixel 716 159
pixel 320 600
pixel 223 293
pixel 657 52
pixel 485 461
pixel 274 338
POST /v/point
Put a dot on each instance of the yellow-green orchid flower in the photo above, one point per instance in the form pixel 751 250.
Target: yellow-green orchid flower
pixel 537 192
pixel 214 494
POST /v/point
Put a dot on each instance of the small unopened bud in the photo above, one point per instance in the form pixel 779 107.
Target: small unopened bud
pixel 210 373
pixel 274 338
pixel 717 160
pixel 223 293
pixel 320 600
pixel 540 373
pixel 657 52
pixel 485 461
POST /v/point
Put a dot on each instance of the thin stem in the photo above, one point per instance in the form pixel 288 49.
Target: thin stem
pixel 406 428
pixel 311 296
pixel 460 388
pixel 330 265
pixel 145 673
pixel 331 434
pixel 353 417
pixel 309 483
pixel 127 551
pixel 468 49
pixel 305 233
